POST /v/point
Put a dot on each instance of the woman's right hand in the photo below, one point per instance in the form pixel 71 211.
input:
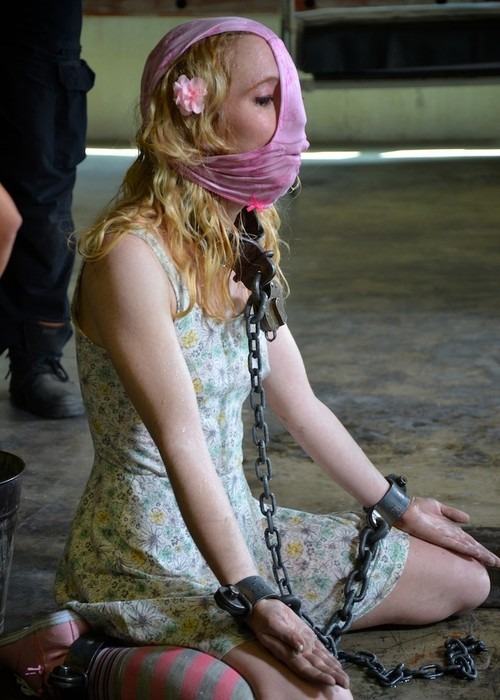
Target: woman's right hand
pixel 293 642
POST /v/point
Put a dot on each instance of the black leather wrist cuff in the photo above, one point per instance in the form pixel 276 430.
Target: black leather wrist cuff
pixel 393 505
pixel 239 599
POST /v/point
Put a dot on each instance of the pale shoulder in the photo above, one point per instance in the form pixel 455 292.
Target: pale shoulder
pixel 124 283
pixel 131 261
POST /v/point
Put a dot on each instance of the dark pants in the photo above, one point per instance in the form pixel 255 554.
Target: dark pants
pixel 43 122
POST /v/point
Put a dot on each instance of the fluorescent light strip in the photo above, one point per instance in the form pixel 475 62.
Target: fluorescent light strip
pixel 115 152
pixel 442 153
pixel 362 156
pixel 314 155
pixel 403 154
pixel 318 156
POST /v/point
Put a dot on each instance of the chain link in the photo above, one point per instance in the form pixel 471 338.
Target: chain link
pixel 459 661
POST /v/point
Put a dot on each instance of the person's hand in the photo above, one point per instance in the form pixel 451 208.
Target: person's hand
pixel 439 524
pixel 293 642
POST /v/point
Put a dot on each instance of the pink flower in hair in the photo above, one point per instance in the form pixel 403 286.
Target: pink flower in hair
pixel 190 94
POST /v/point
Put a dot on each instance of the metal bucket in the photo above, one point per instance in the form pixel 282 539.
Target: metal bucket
pixel 11 471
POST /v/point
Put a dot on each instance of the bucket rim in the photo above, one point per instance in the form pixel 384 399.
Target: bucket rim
pixel 19 463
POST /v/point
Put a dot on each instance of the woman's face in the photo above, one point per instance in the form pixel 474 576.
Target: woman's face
pixel 250 113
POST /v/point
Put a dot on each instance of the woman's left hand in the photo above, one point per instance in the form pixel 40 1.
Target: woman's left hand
pixel 435 522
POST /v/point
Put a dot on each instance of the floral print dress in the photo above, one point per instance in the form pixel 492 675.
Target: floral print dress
pixel 130 566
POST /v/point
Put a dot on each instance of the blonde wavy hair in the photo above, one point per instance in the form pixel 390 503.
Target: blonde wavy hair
pixel 191 222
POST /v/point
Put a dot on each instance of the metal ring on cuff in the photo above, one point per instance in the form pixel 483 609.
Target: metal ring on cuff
pixel 393 505
pixel 239 599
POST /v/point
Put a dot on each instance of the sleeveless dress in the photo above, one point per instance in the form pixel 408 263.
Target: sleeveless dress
pixel 130 566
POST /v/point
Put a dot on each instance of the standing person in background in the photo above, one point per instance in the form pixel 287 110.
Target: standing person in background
pixel 10 221
pixel 43 124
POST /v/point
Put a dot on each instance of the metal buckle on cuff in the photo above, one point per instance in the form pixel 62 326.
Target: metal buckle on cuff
pixel 393 505
pixel 70 680
pixel 239 599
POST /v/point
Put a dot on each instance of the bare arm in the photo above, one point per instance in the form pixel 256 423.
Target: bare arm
pixel 315 427
pixel 126 307
pixel 10 222
pixel 328 443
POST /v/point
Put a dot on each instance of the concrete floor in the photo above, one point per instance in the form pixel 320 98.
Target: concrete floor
pixel 395 275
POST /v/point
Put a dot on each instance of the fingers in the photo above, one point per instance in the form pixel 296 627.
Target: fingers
pixel 489 559
pixel 479 552
pixel 315 663
pixel 294 643
pixel 466 543
pixel 319 665
pixel 458 516
pixel 468 546
pixel 440 524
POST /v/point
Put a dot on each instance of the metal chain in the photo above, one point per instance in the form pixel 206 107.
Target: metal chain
pixel 459 661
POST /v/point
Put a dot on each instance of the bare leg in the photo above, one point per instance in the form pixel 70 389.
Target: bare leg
pixel 272 680
pixel 435 584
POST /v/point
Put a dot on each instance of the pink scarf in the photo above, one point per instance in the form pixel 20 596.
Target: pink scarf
pixel 255 179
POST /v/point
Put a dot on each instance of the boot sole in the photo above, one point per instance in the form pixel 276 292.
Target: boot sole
pixel 48 412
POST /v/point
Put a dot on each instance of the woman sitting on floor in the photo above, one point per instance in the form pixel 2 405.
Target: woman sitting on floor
pixel 167 516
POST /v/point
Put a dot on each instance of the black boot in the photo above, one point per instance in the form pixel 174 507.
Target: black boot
pixel 38 382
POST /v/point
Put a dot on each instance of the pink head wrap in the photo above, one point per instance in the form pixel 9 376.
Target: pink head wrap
pixel 257 178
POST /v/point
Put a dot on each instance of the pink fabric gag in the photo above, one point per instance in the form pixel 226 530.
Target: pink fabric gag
pixel 255 179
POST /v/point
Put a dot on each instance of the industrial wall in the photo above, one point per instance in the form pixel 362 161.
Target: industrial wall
pixel 450 111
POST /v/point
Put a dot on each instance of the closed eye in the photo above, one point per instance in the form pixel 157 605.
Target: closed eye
pixel 264 100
